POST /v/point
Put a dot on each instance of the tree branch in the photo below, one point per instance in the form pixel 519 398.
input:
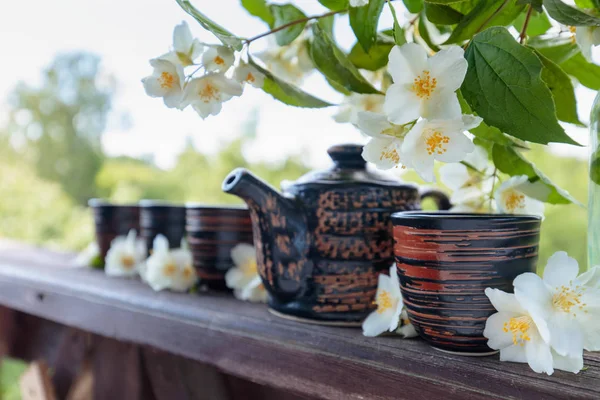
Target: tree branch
pixel 523 34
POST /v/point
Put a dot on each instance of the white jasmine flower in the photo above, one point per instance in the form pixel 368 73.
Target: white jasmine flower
pixel 185 48
pixel 565 309
pixel 125 255
pixel 591 278
pixel 511 197
pixel 88 255
pixel 218 59
pixel 290 63
pixel 246 73
pixel 243 278
pixel 358 3
pixel 587 37
pixel 442 140
pixel 389 306
pixel 355 103
pixel 166 81
pixel 470 188
pixel 384 148
pixel 424 87
pixel 169 269
pixel 515 333
pixel 206 94
pixel 406 329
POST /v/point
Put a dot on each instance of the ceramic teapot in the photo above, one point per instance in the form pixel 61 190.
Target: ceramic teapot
pixel 322 242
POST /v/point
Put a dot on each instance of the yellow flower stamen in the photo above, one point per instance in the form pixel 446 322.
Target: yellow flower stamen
pixel 127 261
pixel 188 272
pixel 573 30
pixel 250 267
pixel 208 93
pixel 383 301
pixel 250 78
pixel 219 61
pixel 424 85
pixel 390 154
pixel 513 200
pixel 519 327
pixel 169 269
pixel 567 298
pixel 435 143
pixel 166 80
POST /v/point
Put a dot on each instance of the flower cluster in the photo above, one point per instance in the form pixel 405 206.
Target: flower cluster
pixel 207 93
pixel 422 120
pixel 390 315
pixel 547 322
pixel 472 185
pixel 164 269
pixel 244 278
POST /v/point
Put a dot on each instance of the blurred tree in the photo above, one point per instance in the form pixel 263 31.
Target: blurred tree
pixel 58 125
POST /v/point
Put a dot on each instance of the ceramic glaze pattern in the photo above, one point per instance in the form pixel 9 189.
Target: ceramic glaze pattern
pixel 212 232
pixel 445 262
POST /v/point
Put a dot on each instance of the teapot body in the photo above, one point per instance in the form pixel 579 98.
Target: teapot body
pixel 349 233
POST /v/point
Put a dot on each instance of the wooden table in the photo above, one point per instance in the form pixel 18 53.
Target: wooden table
pixel 183 339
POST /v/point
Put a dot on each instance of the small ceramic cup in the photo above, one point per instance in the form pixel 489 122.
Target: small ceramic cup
pixel 445 261
pixel 212 232
pixel 112 220
pixel 161 217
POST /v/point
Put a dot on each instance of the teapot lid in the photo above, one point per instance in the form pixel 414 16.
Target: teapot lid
pixel 348 167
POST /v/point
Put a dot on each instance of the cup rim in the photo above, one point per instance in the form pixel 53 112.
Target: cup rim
pixel 99 202
pixel 438 215
pixel 147 203
pixel 203 206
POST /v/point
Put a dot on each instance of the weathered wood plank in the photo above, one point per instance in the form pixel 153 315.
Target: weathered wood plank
pixel 244 340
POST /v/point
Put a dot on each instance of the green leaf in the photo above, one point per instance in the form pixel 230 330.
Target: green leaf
pixel 511 162
pixel 562 90
pixel 568 15
pixel 260 9
pixel 335 5
pixel 595 167
pixel 503 86
pixel 464 7
pixel 485 14
pixel 585 3
pixel 398 32
pixel 285 92
pixel 327 24
pixel 444 2
pixel 538 24
pixel 364 21
pixel 586 73
pixel 284 14
pixel 334 64
pixel 557 49
pixel 535 4
pixel 484 131
pixel 376 58
pixel 442 14
pixel 413 6
pixel 226 37
pixel 424 33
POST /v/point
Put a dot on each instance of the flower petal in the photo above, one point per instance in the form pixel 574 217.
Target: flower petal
pixel 454 175
pixel 504 302
pixel 372 124
pixel 377 323
pixel 494 330
pixel 566 336
pixel 442 105
pixel 560 269
pixel 458 147
pixel 533 295
pixel 406 62
pixel 182 38
pixel 449 67
pixel 384 153
pixel 569 364
pixel 539 356
pixel 401 105
pixel 590 278
pixel 514 353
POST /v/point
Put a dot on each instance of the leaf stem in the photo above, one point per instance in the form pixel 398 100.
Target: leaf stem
pixel 523 34
pixel 291 23
pixel 494 176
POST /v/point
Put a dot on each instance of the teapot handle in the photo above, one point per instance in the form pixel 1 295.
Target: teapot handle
pixel 441 199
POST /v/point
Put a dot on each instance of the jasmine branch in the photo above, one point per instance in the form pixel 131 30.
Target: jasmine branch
pixel 523 34
pixel 291 23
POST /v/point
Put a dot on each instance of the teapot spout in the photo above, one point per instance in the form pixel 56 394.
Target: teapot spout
pixel 280 234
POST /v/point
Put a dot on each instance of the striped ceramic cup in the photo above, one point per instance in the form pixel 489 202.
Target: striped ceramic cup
pixel 446 260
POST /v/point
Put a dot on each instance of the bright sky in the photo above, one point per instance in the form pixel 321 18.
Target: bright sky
pixel 128 33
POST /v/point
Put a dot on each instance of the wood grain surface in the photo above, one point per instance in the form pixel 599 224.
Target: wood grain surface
pixel 244 340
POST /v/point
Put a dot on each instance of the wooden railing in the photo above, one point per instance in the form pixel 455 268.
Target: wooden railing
pixel 181 338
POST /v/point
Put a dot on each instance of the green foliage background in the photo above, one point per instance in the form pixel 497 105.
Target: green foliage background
pixel 44 205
